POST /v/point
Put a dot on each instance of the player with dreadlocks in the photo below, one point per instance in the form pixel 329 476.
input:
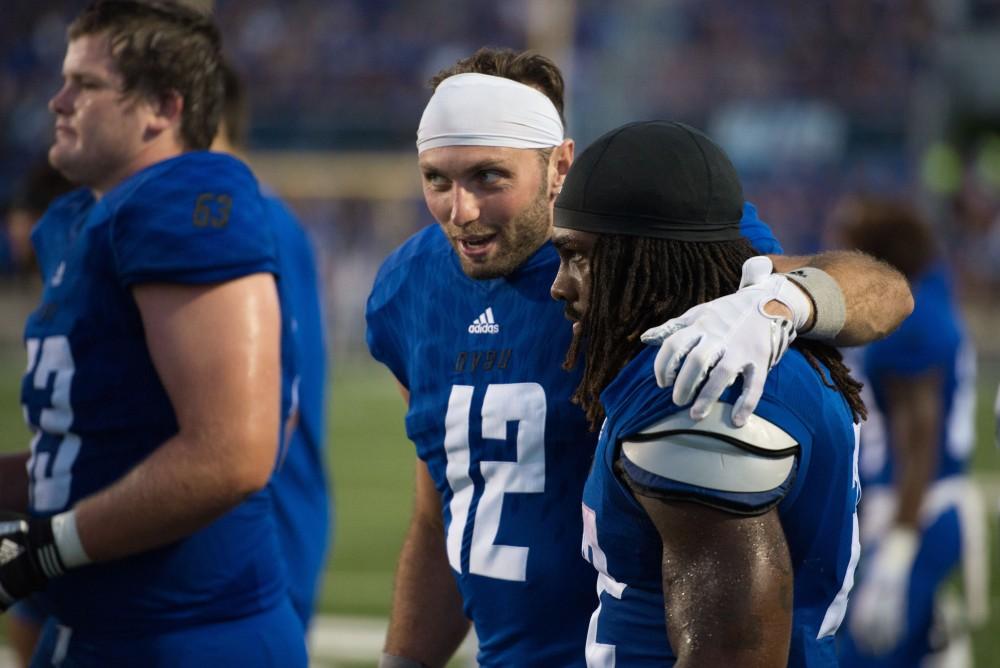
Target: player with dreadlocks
pixel 755 524
pixel 642 291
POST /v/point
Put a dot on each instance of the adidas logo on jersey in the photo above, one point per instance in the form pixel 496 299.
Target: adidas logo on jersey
pixel 485 324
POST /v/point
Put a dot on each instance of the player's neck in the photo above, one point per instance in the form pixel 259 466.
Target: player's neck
pixel 150 154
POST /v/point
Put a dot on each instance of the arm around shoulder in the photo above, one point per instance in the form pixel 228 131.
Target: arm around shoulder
pixel 874 297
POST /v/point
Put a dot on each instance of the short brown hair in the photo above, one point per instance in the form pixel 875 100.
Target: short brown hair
pixel 525 67
pixel 888 229
pixel 160 46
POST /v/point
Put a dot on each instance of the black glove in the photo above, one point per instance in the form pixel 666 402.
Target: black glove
pixel 29 557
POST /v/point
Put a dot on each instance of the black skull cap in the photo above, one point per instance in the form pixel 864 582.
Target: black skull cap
pixel 659 179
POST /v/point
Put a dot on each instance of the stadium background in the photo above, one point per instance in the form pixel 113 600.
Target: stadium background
pixel 812 100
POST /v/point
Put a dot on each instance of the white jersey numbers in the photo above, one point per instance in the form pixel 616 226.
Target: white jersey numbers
pixel 53 448
pixel 838 608
pixel 599 655
pixel 524 404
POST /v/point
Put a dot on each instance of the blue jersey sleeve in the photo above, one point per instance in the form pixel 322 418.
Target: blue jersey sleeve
pixel 385 333
pixel 195 219
pixel 748 479
pixel 757 232
pixel 733 501
pixel 396 311
pixel 665 454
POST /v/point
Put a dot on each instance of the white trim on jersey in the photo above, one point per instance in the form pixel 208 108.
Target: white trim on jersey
pixel 835 614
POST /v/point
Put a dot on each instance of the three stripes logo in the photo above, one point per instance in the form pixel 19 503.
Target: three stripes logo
pixel 485 324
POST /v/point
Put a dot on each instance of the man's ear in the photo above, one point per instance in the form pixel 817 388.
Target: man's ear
pixel 559 164
pixel 166 112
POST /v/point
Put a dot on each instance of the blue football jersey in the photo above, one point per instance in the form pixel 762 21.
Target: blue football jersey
pixel 757 232
pixel 817 513
pixel 931 339
pixel 299 486
pixel 96 406
pixel 490 414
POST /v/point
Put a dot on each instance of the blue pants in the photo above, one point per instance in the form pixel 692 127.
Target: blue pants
pixel 939 554
pixel 272 639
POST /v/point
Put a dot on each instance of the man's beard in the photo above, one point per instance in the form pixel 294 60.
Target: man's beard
pixel 516 241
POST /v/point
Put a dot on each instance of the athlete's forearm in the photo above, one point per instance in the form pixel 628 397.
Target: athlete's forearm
pixel 14 482
pixel 912 480
pixel 427 623
pixel 877 297
pixel 914 423
pixel 174 492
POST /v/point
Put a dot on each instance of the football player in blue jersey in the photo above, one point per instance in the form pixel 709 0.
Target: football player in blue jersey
pixel 715 545
pixel 461 316
pixel 299 486
pixel 154 369
pixel 921 515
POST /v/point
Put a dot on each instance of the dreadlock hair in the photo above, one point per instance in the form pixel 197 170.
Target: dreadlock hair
pixel 639 282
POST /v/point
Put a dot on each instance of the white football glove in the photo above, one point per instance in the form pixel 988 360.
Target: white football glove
pixel 726 338
pixel 878 610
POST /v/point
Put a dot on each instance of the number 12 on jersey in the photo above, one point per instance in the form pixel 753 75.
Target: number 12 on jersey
pixel 523 403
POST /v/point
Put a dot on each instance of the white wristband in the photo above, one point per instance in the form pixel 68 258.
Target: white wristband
pixel 67 540
pixel 829 307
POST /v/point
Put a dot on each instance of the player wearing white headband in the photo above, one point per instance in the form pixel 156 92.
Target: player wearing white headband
pixel 461 315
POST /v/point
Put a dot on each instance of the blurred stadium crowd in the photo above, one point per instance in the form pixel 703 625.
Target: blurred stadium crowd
pixel 811 99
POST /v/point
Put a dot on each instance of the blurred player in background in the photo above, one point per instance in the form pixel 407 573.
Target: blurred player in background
pixel 715 525
pixel 461 315
pixel 299 486
pixel 921 514
pixel 42 184
pixel 154 373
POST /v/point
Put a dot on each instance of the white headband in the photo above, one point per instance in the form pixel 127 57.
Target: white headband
pixel 481 110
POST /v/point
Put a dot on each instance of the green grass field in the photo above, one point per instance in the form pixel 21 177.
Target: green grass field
pixel 371 463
